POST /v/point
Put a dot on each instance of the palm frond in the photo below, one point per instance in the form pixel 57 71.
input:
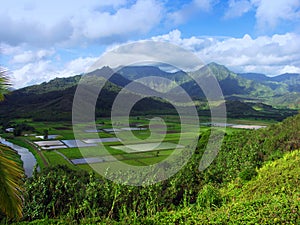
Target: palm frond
pixel 11 171
pixel 11 186
pixel 4 84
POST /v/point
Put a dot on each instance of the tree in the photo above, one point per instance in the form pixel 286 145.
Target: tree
pixel 4 84
pixel 11 174
pixel 11 171
pixel 46 134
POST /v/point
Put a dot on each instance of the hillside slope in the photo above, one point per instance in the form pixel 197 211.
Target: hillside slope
pixel 244 87
pixel 53 100
pixel 253 180
pixel 273 197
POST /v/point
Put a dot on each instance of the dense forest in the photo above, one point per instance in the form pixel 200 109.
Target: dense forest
pixel 254 180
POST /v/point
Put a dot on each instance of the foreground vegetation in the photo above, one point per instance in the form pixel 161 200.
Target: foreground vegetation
pixel 253 180
pixel 11 172
pixel 272 197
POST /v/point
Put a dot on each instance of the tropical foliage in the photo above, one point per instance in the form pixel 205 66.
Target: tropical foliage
pixel 254 179
pixel 4 84
pixel 11 172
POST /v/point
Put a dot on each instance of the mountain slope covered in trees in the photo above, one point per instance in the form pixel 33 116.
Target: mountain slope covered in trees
pixel 53 99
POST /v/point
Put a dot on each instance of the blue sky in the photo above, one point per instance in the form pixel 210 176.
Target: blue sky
pixel 41 40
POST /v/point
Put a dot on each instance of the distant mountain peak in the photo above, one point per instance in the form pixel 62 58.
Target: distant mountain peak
pixel 286 76
pixel 217 66
pixel 255 76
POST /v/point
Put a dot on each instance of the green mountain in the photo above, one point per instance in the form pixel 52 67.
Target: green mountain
pixel 57 84
pixel 230 82
pixel 233 84
pixel 284 83
pixel 53 100
pixel 276 91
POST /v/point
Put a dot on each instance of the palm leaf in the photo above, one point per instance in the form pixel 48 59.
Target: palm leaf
pixel 11 171
pixel 11 185
pixel 4 84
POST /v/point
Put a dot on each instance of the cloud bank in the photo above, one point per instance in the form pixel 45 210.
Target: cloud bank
pixel 41 40
pixel 268 13
pixel 68 22
pixel 271 55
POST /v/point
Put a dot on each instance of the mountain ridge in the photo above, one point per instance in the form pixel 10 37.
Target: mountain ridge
pixel 56 96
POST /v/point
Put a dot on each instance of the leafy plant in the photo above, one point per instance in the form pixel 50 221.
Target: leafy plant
pixel 11 171
pixel 11 174
pixel 209 197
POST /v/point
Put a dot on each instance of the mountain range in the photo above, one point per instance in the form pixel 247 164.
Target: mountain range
pixel 247 94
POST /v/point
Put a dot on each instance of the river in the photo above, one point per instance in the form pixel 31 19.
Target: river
pixel 27 157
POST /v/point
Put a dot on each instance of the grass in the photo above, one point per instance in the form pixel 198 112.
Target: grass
pixel 146 147
pixel 65 131
pixel 56 159
pixel 134 162
pixel 153 160
pixel 75 153
pixel 272 197
pixel 85 167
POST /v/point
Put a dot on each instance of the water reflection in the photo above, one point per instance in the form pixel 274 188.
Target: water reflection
pixel 27 157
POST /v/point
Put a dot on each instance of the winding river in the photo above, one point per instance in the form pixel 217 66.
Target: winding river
pixel 27 157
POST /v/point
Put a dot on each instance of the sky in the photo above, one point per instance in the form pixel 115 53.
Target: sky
pixel 42 40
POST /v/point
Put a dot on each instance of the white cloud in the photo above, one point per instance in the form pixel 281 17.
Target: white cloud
pixel 49 13
pixel 290 69
pixel 19 31
pixel 24 57
pixel 148 52
pixel 31 73
pixel 269 13
pixel 188 10
pixel 79 65
pixel 237 8
pixel 45 70
pixel 265 54
pixel 139 18
pixel 30 56
pixel 191 43
pixel 271 55
pixel 52 23
pixel 6 49
pixel 33 32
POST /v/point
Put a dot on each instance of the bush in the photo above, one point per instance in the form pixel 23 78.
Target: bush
pixel 209 197
pixel 247 174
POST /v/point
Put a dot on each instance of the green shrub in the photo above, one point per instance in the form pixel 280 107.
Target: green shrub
pixel 209 197
pixel 247 174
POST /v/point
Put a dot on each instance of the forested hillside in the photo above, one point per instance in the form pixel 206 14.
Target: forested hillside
pixel 52 101
pixel 254 179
